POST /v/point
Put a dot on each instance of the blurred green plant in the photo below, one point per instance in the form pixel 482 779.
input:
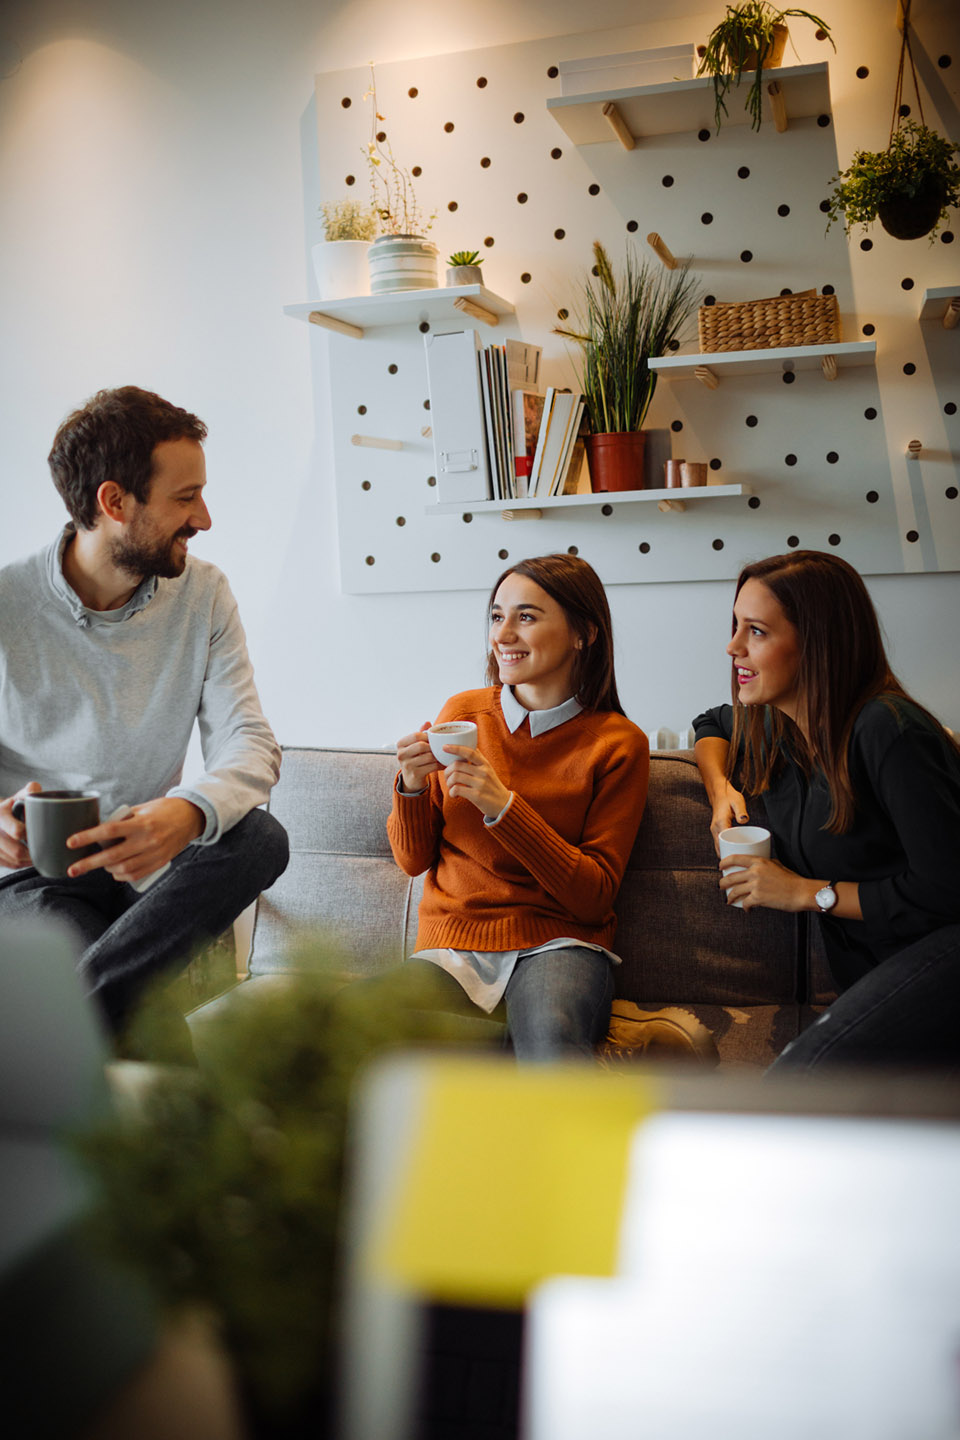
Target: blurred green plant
pixel 222 1186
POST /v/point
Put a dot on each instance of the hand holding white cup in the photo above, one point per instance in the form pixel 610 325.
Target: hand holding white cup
pixel 743 840
pixel 451 732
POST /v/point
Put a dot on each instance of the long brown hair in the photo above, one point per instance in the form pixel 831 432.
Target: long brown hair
pixel 842 664
pixel 579 592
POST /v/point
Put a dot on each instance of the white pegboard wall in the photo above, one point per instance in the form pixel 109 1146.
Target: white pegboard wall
pixel 826 461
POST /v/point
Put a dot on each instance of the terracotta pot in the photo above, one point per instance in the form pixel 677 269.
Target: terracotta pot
pixel 907 217
pixel 616 461
pixel 773 53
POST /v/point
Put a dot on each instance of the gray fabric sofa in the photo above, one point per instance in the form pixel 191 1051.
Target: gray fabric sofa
pixel 754 978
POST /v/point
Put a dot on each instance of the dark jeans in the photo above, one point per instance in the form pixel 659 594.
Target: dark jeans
pixel 557 1003
pixel 905 1014
pixel 128 940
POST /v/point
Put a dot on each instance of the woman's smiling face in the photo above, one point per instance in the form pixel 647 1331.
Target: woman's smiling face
pixel 765 650
pixel 534 643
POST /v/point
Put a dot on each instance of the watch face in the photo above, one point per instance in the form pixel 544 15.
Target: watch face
pixel 827 897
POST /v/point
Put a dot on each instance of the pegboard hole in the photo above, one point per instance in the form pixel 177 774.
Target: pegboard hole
pixel 913 536
pixel 552 73
pixel 909 368
pixel 789 459
pixel 667 181
pixel 783 209
pixel 573 550
pixel 904 111
pixel 872 497
pixel 426 404
pixel 489 241
pixel 824 207
pixel 709 299
pixel 563 314
pixel 788 377
pixel 862 72
pixel 481 82
pixel 793 541
pixel 431 480
pixel 424 326
pixel 676 426
pixel 644 547
pixel 392 369
pixel 944 62
pixel 381 136
pixel 706 218
pixel 752 421
pixel 467 518
pixel 866 244
pixel 503 554
pixel 950 408
pixel 417 171
pixel 435 557
pixel 593 190
pixel 870 413
pixel 827 290
pixel 449 127
pixel 346 102
pixel 744 172
pixel 746 256
pixel 370 560
pixel 361 409
pixel 401 520
pixel 452 205
pixel 869 329
pixel 485 162
pixel 559 234
pixel 519 118
pixel 522 198
pixel 606 509
pixel 365 485
pixel 906 283
pixel 718 544
pixel 834 539
pixel 703 135
pixel 525 278
pixel 787 291
pixel 413 92
pixel 946 238
pixel 832 457
pixel 632 227
pixel 556 153
pixel 951 492
pixel 823 121
pixel 350 179
pixel 754 502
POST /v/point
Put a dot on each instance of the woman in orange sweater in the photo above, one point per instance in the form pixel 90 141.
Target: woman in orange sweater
pixel 525 839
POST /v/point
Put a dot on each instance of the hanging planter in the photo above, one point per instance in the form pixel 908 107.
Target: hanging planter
pixel 910 186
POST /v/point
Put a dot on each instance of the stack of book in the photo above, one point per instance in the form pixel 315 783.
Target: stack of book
pixel 534 442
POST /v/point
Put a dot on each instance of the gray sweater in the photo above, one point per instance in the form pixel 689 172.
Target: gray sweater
pixel 107 699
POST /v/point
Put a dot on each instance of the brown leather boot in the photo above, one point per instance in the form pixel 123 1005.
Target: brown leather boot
pixel 669 1034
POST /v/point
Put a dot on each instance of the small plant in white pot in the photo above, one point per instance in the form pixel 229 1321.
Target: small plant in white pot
pixel 340 260
pixel 463 268
pixel 401 258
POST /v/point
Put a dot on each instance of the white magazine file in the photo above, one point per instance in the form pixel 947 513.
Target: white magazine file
pixel 456 409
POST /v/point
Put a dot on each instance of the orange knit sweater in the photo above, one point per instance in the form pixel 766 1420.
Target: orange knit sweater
pixel 552 865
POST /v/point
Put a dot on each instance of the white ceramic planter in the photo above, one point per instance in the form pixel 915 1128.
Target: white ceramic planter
pixel 464 275
pixel 341 268
pixel 402 262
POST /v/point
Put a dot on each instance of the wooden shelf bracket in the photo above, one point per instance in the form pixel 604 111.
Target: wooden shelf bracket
pixel 618 125
pixel 479 312
pixel 829 367
pixel 951 314
pixel 670 505
pixel 374 442
pixel 778 107
pixel 342 327
pixel 662 251
pixel 521 515
pixel 706 377
pixel 914 449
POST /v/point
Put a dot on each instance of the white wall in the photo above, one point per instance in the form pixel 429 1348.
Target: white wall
pixel 156 167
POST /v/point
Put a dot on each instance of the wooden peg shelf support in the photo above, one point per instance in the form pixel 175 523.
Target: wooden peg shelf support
pixel 829 367
pixel 778 107
pixel 666 505
pixel 327 322
pixel 374 442
pixel 661 250
pixel 706 376
pixel 521 514
pixel 951 314
pixel 618 125
pixel 479 312
pixel 914 449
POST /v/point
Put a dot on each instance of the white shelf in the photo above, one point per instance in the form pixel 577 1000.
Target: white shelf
pixel 609 497
pixel 934 302
pixel 758 362
pixel 678 106
pixel 369 312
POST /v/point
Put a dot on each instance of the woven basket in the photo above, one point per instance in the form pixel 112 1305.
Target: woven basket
pixel 802 319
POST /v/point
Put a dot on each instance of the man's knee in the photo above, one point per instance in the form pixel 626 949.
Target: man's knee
pixel 260 842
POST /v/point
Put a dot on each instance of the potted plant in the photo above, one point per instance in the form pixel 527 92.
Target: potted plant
pixel 463 268
pixel 750 36
pixel 401 258
pixel 626 319
pixel 908 187
pixel 340 259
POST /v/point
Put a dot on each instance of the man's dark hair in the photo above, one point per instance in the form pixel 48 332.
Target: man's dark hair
pixel 113 437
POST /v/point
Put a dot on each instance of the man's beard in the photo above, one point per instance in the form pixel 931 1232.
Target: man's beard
pixel 141 556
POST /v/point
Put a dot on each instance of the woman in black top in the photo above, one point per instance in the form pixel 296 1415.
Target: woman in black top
pixel 862 792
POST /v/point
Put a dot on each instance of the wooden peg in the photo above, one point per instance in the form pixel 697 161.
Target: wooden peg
pixel 618 125
pixel 828 364
pixel 661 251
pixel 914 449
pixel 373 442
pixel 951 314
pixel 479 312
pixel 328 322
pixel 778 106
pixel 521 514
pixel 426 431
pixel 670 505
pixel 706 376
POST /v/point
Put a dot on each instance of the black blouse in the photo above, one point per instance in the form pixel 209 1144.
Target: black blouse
pixel 903 848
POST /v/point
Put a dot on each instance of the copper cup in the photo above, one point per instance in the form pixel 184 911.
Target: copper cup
pixel 673 478
pixel 693 472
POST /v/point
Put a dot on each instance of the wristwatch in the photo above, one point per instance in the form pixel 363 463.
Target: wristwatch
pixel 826 898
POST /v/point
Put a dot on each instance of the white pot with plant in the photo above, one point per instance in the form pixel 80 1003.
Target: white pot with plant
pixel 463 268
pixel 401 258
pixel 340 260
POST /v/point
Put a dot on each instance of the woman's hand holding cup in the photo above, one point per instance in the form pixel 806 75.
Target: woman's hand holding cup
pixel 472 777
pixel 416 760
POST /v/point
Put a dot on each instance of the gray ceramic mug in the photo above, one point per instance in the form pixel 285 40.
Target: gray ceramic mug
pixel 51 817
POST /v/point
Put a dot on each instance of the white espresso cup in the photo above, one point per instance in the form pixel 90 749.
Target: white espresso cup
pixel 743 840
pixel 451 732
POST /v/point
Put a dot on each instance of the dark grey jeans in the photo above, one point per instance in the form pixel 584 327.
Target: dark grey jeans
pixel 126 940
pixel 905 1014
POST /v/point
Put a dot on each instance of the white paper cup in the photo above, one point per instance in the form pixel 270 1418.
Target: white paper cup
pixel 451 732
pixel 743 840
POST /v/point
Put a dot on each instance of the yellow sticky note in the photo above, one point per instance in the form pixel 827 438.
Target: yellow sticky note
pixel 513 1175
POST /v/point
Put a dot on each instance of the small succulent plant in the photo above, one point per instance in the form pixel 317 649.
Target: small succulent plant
pixel 465 257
